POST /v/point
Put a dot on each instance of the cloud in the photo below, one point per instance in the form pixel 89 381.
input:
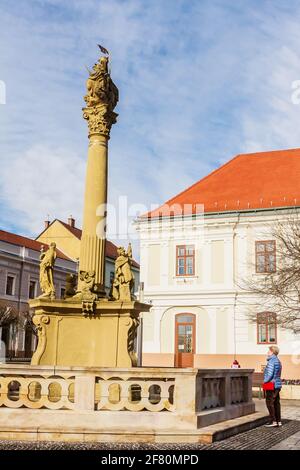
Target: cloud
pixel 43 181
pixel 199 82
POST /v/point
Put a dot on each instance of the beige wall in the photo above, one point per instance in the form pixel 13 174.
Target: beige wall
pixel 221 330
pixel 153 278
pixel 217 261
pixel 148 326
pixel 206 361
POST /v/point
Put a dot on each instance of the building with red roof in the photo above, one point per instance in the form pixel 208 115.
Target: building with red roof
pixel 199 247
pixel 252 181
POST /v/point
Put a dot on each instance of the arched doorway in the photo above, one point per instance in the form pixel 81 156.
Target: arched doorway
pixel 185 339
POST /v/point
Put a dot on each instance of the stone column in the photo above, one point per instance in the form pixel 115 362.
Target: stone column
pixel 101 98
pixel 92 249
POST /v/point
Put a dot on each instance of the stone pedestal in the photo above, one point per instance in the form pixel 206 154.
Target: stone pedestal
pixel 104 339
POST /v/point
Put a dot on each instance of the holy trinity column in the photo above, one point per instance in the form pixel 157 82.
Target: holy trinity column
pixel 101 99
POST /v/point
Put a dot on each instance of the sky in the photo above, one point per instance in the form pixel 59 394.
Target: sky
pixel 200 81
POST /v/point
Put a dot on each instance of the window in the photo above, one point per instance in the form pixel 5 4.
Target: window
pixel 10 285
pixel 111 277
pixel 185 260
pixel 266 328
pixel 265 253
pixel 32 289
pixel 62 293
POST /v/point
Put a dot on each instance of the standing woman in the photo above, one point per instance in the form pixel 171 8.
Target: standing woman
pixel 272 386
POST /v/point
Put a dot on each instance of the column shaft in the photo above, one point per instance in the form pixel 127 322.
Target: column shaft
pixel 92 250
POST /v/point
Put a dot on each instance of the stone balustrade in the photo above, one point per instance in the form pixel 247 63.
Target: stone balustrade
pixel 197 396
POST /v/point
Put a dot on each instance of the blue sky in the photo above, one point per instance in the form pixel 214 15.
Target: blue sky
pixel 200 81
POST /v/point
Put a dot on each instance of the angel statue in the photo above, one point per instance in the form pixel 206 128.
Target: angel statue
pixel 123 284
pixel 47 260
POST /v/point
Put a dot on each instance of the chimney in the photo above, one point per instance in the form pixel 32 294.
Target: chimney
pixel 71 221
pixel 47 223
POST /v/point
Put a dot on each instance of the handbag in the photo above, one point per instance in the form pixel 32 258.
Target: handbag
pixel 269 386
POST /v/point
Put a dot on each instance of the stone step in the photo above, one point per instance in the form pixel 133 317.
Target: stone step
pixel 21 430
pixel 225 429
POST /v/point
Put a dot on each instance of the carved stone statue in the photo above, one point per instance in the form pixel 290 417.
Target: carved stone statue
pixel 71 285
pixel 47 260
pixel 87 283
pixel 101 99
pixel 123 284
pixel 86 293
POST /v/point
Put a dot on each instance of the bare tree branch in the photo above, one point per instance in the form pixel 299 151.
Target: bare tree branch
pixel 279 292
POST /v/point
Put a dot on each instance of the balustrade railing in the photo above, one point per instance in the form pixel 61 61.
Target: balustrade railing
pixel 139 389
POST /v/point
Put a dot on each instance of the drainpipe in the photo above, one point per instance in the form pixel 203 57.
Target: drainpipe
pixel 234 282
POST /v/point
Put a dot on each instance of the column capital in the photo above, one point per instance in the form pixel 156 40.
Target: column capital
pixel 100 119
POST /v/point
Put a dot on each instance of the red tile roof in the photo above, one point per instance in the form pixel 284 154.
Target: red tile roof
pixel 248 181
pixel 111 248
pixel 19 240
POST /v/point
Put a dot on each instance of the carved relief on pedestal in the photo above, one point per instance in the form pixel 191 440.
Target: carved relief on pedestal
pixel 40 322
pixel 132 333
pixel 86 292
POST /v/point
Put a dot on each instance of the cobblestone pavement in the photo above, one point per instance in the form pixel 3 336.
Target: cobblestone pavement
pixel 261 438
pixel 291 443
pixel 257 439
pixel 290 408
pixel 291 412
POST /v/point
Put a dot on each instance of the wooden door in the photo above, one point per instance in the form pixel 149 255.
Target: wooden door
pixel 185 340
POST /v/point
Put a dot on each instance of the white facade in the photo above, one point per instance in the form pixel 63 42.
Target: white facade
pixel 224 246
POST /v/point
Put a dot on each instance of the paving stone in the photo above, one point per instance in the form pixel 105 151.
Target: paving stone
pixel 260 438
pixel 291 443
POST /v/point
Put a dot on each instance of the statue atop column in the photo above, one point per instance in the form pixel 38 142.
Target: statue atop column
pixel 123 284
pixel 47 261
pixel 90 328
pixel 101 99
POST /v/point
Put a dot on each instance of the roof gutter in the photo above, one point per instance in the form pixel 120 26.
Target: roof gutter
pixel 216 214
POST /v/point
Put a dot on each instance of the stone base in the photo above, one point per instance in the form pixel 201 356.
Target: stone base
pixel 104 339
pixel 48 425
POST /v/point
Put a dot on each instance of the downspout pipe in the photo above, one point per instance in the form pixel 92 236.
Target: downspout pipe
pixel 234 282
